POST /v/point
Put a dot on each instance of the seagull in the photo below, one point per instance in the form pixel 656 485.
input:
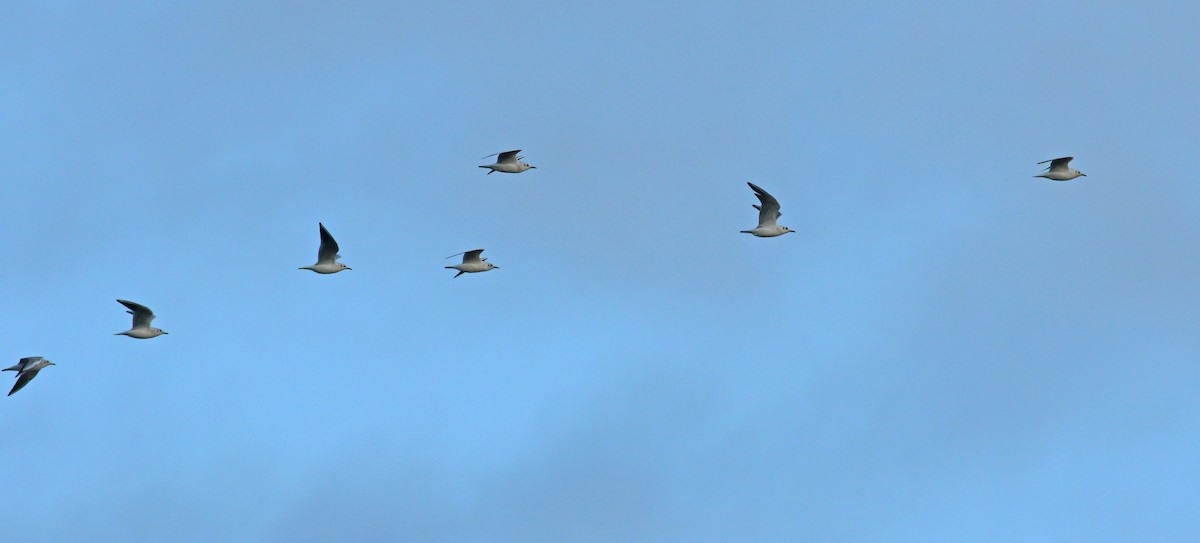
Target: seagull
pixel 768 213
pixel 141 322
pixel 508 162
pixel 327 255
pixel 1058 170
pixel 471 263
pixel 27 369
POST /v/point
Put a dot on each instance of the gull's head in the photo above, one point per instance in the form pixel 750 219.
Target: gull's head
pixel 343 266
pixel 159 331
pixel 492 266
pixel 787 230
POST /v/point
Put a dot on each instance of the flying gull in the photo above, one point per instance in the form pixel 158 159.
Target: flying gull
pixel 141 322
pixel 327 255
pixel 471 263
pixel 768 213
pixel 27 369
pixel 1058 170
pixel 508 162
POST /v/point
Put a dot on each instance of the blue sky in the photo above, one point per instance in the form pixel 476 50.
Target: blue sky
pixel 948 350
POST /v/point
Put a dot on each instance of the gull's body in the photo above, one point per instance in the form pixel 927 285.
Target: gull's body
pixel 141 322
pixel 768 213
pixel 1058 170
pixel 508 162
pixel 27 369
pixel 471 263
pixel 327 255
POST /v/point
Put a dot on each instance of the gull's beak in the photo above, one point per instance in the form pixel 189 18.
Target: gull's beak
pixel 349 268
pixel 1082 174
pixel 49 363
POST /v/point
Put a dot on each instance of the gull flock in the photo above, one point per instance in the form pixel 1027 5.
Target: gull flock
pixel 506 162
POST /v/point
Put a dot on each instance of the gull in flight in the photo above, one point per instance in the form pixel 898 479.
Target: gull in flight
pixel 768 213
pixel 27 369
pixel 471 263
pixel 1058 170
pixel 508 162
pixel 141 322
pixel 327 255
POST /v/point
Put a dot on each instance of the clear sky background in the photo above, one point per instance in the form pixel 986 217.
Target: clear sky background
pixel 948 350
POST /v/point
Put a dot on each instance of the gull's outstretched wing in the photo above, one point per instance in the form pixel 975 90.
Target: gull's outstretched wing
pixel 506 156
pixel 768 212
pixel 472 256
pixel 141 314
pixel 468 256
pixel 329 248
pixel 24 378
pixel 1058 163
